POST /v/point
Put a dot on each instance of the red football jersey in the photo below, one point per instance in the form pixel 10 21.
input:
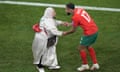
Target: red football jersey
pixel 82 18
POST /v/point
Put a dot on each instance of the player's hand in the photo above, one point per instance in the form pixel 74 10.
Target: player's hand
pixel 66 24
pixel 64 33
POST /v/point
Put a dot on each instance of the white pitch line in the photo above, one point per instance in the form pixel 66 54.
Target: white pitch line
pixel 59 5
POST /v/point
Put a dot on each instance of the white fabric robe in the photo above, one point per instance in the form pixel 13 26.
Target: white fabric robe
pixel 50 56
pixel 39 46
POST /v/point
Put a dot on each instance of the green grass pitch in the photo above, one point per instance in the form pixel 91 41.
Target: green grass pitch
pixel 16 37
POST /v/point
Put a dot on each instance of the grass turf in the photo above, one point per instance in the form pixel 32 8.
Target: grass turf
pixel 16 38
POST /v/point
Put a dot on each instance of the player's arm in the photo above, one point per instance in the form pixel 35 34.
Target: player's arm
pixel 59 22
pixel 73 29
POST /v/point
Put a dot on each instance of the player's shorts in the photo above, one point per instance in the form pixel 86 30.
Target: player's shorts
pixel 88 40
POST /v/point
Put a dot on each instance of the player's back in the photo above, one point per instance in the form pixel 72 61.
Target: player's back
pixel 84 21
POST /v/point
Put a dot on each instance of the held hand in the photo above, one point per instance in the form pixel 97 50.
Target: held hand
pixel 64 33
pixel 66 24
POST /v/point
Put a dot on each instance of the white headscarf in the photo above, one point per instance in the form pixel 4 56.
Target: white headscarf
pixel 49 23
pixel 48 12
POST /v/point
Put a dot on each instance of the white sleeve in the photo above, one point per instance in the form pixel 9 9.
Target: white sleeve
pixel 54 31
pixel 58 22
pixel 51 27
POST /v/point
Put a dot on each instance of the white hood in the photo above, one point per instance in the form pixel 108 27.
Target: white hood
pixel 49 23
pixel 48 12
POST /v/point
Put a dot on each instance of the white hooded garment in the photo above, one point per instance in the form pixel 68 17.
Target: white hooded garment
pixel 39 47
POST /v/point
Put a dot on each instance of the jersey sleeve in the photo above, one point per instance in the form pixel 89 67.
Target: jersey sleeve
pixel 75 21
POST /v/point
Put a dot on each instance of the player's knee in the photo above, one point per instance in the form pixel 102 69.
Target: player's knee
pixel 82 47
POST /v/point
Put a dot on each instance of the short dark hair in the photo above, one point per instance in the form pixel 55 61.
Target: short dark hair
pixel 70 5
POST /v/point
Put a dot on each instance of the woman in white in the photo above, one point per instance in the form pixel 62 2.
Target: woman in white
pixel 43 55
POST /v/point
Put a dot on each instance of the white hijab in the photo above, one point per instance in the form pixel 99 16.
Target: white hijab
pixel 48 12
pixel 49 23
pixel 47 17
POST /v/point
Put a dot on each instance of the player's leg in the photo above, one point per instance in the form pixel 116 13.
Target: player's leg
pixel 83 55
pixel 92 54
pixel 85 42
pixel 91 40
pixel 93 57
